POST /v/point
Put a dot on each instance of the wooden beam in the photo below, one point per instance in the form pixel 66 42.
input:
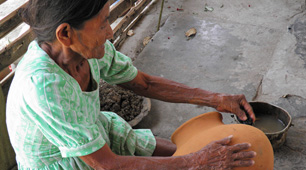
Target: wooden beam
pixel 1 1
pixel 8 23
pixel 15 49
pixel 111 1
pixel 4 73
pixel 6 81
pixel 120 8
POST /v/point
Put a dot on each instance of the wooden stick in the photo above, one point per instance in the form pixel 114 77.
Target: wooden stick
pixel 160 14
pixel 123 36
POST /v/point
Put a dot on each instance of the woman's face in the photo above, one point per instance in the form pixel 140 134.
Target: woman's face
pixel 89 41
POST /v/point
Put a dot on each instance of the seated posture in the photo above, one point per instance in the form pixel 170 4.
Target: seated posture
pixel 53 109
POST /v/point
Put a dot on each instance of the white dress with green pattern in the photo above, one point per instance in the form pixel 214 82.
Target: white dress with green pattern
pixel 51 121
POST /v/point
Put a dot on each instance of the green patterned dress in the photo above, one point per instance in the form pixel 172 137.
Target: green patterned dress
pixel 51 121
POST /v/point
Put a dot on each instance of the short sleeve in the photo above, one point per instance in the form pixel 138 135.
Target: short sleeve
pixel 115 67
pixel 56 107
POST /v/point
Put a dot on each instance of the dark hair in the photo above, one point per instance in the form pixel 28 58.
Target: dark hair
pixel 44 16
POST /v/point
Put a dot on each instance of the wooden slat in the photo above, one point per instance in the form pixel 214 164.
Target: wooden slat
pixel 4 73
pixel 128 18
pixel 15 49
pixel 1 1
pixel 10 22
pixel 120 8
pixel 13 20
pixel 111 1
pixel 7 79
pixel 123 36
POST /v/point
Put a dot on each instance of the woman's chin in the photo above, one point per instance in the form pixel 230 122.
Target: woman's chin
pixel 101 53
pixel 97 55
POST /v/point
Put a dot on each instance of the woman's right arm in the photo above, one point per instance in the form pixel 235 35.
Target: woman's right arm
pixel 216 155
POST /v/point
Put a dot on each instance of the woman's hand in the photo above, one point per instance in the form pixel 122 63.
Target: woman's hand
pixel 236 104
pixel 219 155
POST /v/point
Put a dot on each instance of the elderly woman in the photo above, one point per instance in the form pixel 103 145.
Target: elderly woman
pixel 53 114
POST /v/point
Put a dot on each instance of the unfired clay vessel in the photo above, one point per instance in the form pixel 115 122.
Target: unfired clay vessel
pixel 203 129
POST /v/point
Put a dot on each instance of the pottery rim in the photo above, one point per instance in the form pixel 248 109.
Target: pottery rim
pixel 288 125
pixel 192 119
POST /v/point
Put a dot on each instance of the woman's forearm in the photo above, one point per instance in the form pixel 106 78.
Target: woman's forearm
pixel 104 158
pixel 170 91
pixel 213 156
pixel 152 163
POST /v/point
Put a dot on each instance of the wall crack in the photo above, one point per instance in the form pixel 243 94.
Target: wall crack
pixel 258 90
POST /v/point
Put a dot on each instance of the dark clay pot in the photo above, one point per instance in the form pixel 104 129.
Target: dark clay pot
pixel 278 138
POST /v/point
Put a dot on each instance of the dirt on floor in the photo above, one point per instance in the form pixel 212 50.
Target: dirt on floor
pixel 124 102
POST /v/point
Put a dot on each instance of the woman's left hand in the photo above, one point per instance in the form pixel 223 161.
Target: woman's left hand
pixel 236 104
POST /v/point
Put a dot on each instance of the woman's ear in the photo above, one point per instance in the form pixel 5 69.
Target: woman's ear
pixel 64 33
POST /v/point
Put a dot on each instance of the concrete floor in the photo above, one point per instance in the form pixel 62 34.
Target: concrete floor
pixel 252 47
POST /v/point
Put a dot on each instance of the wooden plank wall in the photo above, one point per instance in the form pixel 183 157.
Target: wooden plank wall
pixel 127 11
pixel 129 20
pixel 8 23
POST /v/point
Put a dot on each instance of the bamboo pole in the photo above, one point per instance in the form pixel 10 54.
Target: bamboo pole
pixel 160 14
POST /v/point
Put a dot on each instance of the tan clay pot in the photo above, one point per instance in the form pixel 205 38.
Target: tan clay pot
pixel 203 129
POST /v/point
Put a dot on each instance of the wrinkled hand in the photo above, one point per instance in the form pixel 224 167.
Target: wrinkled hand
pixel 236 104
pixel 219 155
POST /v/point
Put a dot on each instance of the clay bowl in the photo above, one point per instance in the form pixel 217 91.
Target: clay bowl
pixel 146 107
pixel 262 109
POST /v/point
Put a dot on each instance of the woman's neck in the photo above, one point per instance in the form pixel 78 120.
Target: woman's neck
pixel 64 57
pixel 72 63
